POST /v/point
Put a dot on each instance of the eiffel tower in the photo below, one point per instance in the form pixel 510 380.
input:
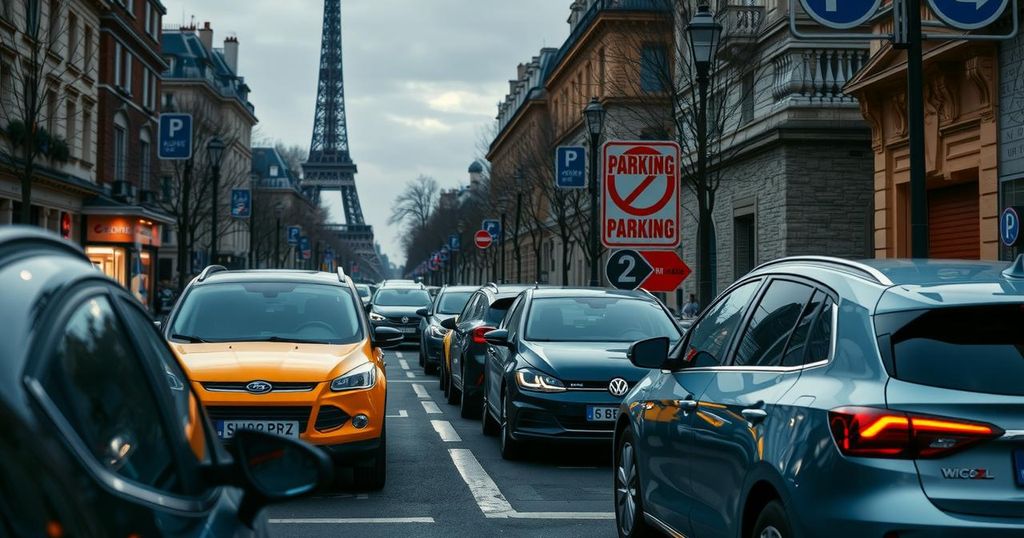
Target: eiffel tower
pixel 330 166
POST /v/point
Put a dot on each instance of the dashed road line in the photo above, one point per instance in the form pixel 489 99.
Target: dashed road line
pixel 421 391
pixel 351 520
pixel 410 374
pixel 404 363
pixel 446 431
pixel 398 354
pixel 402 413
pixel 430 407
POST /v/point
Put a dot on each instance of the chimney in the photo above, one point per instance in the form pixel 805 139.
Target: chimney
pixel 231 53
pixel 206 36
pixel 521 71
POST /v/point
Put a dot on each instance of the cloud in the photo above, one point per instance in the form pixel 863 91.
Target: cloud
pixel 428 125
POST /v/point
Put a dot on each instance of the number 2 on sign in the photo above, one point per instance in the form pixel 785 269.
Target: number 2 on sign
pixel 627 275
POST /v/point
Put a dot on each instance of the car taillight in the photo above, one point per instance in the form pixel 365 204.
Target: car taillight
pixel 879 433
pixel 478 334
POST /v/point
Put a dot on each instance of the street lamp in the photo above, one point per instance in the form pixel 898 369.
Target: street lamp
pixel 215 152
pixel 503 207
pixel 278 213
pixel 594 114
pixel 704 33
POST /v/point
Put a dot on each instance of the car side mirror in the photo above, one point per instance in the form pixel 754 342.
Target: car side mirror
pixel 450 323
pixel 498 337
pixel 423 313
pixel 387 337
pixel 651 354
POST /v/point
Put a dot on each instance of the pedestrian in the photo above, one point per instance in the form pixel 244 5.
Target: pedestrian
pixel 691 308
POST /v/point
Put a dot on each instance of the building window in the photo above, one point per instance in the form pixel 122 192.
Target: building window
pixel 32 16
pixel 273 170
pixel 54 31
pixel 653 68
pixel 87 134
pixel 149 19
pixel 6 89
pixel 145 160
pixel 5 9
pixel 118 64
pixel 127 85
pixel 601 72
pixel 130 6
pixel 120 152
pixel 747 98
pixel 51 111
pixel 72 38
pixel 87 58
pixel 744 244
pixel 71 124
pixel 165 190
pixel 156 24
pixel 145 87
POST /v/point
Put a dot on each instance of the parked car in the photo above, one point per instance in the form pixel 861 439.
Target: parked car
pixel 556 367
pixel 482 314
pixel 365 294
pixel 289 352
pixel 396 306
pixel 449 303
pixel 824 397
pixel 102 432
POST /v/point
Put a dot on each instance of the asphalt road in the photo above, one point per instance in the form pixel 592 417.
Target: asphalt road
pixel 445 478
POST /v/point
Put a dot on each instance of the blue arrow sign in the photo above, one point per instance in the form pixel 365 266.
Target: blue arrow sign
pixel 294 232
pixel 454 242
pixel 571 167
pixel 841 14
pixel 968 14
pixel 493 227
pixel 175 137
pixel 1009 226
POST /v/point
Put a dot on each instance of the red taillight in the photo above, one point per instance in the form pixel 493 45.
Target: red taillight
pixel 879 433
pixel 478 334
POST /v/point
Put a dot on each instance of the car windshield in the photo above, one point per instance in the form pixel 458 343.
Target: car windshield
pixel 363 290
pixel 267 312
pixel 402 297
pixel 597 319
pixel 453 302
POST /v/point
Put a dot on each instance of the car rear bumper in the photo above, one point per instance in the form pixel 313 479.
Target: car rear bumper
pixel 560 416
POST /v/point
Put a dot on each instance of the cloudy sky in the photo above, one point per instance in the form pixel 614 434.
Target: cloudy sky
pixel 422 79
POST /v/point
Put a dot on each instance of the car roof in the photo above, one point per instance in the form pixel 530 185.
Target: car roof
pixel 272 275
pixel 460 288
pixel 592 292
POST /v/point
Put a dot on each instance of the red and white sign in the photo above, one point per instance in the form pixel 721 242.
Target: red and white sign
pixel 640 195
pixel 483 239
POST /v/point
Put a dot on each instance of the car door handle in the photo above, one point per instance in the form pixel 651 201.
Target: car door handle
pixel 686 405
pixel 754 415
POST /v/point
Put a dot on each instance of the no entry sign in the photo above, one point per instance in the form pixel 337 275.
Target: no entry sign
pixel 640 195
pixel 483 239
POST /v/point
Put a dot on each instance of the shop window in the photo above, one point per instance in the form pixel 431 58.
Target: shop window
pixel 110 261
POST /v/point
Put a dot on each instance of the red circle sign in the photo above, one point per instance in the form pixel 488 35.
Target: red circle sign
pixel 483 239
pixel 627 203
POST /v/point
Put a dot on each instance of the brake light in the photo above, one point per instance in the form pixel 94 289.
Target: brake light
pixel 478 334
pixel 879 433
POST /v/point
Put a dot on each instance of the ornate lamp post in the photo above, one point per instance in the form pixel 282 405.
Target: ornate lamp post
pixel 594 114
pixel 215 152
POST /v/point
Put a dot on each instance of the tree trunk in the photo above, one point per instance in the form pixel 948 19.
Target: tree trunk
pixel 705 271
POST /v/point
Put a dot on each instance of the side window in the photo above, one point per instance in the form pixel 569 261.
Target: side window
pixel 100 385
pixel 469 311
pixel 511 321
pixel 771 323
pixel 794 355
pixel 819 343
pixel 712 334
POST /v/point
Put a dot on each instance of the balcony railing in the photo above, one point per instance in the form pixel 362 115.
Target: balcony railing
pixel 741 25
pixel 816 75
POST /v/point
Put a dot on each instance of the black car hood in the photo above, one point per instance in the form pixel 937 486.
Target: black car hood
pixel 397 311
pixel 583 361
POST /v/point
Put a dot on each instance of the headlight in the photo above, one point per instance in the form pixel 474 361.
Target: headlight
pixel 377 317
pixel 437 331
pixel 538 382
pixel 361 377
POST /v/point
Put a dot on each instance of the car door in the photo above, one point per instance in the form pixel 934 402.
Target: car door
pixel 129 418
pixel 472 316
pixel 666 441
pixel 499 358
pixel 738 403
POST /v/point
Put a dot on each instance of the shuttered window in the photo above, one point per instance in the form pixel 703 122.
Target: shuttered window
pixel 953 222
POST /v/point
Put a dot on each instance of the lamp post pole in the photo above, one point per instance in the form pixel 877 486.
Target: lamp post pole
pixel 594 114
pixel 215 150
pixel 502 241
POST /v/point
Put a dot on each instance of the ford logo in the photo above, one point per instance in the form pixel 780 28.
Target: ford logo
pixel 618 387
pixel 259 387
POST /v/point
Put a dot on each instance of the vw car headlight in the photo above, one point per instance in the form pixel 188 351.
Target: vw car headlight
pixel 532 380
pixel 360 377
pixel 376 317
pixel 437 331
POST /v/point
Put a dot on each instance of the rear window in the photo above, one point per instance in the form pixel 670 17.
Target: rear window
pixel 976 349
pixel 402 297
pixel 496 312
pixel 453 302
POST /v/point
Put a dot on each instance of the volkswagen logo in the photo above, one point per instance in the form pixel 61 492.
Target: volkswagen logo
pixel 405 319
pixel 618 387
pixel 259 387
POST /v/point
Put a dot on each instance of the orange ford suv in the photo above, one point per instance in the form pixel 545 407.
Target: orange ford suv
pixel 288 352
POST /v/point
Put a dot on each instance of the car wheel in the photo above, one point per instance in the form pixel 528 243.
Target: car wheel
pixel 772 522
pixel 442 382
pixel 488 425
pixel 451 392
pixel 629 518
pixel 468 408
pixel 372 478
pixel 511 449
pixel 429 369
pixel 423 354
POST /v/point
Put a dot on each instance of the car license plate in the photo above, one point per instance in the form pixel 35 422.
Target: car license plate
pixel 226 428
pixel 408 330
pixel 1018 466
pixel 597 413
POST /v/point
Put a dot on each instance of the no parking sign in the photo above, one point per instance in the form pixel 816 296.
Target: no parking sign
pixel 640 195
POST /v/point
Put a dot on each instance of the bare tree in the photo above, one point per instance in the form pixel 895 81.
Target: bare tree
pixel 32 95
pixel 414 205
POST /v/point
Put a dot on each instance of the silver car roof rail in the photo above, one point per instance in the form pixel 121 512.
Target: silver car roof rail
pixel 342 277
pixel 210 269
pixel 863 270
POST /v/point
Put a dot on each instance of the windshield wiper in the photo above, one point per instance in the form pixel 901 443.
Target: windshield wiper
pixel 189 339
pixel 289 340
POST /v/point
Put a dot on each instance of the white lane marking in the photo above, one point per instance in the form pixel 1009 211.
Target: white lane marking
pixel 488 497
pixel 493 503
pixel 431 408
pixel 446 431
pixel 404 363
pixel 362 497
pixel 352 520
pixel 410 374
pixel 421 392
pixel 398 354
pixel 402 413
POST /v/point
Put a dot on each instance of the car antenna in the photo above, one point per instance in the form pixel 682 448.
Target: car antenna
pixel 1016 271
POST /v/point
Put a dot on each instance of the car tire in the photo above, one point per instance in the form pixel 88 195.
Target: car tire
pixel 451 393
pixel 468 407
pixel 772 522
pixel 423 354
pixel 629 510
pixel 442 380
pixel 488 425
pixel 511 449
pixel 429 369
pixel 372 478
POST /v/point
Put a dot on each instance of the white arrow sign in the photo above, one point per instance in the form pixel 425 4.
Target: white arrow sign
pixel 832 5
pixel 978 4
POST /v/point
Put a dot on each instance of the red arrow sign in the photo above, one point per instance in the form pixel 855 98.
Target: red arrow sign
pixel 483 239
pixel 669 270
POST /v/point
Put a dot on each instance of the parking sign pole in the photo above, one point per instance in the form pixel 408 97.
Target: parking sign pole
pixel 915 116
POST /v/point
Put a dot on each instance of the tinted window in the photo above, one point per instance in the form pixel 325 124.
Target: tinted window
pixel 101 386
pixel 402 297
pixel 496 312
pixel 711 336
pixel 977 349
pixel 797 347
pixel 597 319
pixel 512 321
pixel 363 290
pixel 819 343
pixel 468 313
pixel 268 311
pixel 453 302
pixel 771 323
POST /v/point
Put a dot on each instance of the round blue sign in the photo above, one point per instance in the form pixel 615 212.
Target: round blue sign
pixel 968 14
pixel 841 14
pixel 1009 227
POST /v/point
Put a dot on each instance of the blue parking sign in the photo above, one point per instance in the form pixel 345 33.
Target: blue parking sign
pixel 571 167
pixel 968 14
pixel 241 203
pixel 175 141
pixel 294 232
pixel 493 227
pixel 1009 226
pixel 841 14
pixel 454 242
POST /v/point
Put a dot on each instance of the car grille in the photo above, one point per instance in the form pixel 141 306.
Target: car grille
pixel 330 417
pixel 398 321
pixel 279 386
pixel 298 413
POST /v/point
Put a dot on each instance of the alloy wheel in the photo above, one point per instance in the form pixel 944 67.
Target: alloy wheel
pixel 770 532
pixel 626 482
